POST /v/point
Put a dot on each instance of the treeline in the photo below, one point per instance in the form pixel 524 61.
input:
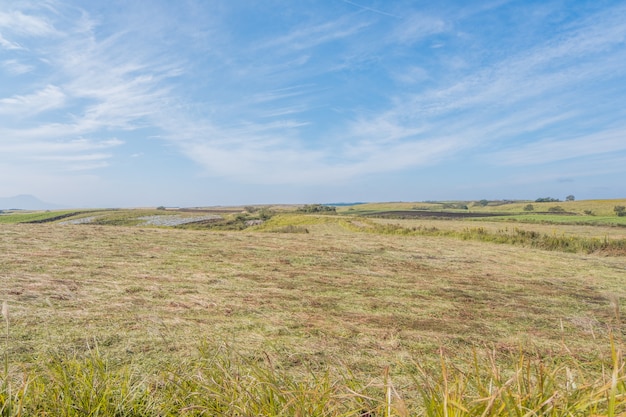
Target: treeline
pixel 317 208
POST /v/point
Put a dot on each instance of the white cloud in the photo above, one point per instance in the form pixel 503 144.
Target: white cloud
pixel 26 25
pixel 548 150
pixel 51 97
pixel 15 67
pixel 107 84
pixel 410 75
pixel 418 26
pixel 64 147
pixel 313 35
pixel 100 85
pixel 6 44
pixel 491 106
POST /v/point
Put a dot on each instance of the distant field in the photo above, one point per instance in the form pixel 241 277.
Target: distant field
pixel 597 207
pixel 306 296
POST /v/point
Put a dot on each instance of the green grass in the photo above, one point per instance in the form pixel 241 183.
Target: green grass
pixel 559 219
pixel 600 208
pixel 555 242
pixel 28 217
pixel 219 381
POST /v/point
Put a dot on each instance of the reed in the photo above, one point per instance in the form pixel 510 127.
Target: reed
pixel 222 382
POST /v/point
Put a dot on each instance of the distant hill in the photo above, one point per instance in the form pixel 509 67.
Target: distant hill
pixel 25 202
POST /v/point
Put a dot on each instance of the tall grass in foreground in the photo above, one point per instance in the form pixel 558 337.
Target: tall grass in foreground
pixel 220 382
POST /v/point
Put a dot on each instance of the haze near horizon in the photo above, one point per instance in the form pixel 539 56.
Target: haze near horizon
pixel 198 103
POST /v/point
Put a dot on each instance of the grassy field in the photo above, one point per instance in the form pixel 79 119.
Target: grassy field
pixel 308 315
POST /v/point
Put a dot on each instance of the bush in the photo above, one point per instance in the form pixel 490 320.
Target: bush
pixel 265 214
pixel 529 207
pixel 317 208
pixel 620 211
pixel 556 209
pixel 547 200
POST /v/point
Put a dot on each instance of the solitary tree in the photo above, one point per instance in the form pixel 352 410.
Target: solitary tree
pixel 570 198
pixel 620 210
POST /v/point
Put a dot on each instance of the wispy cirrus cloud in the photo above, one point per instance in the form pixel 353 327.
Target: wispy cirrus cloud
pixel 527 92
pixel 316 95
pixel 9 45
pixel 15 67
pixel 19 23
pixel 417 26
pixel 552 150
pixel 312 35
pixel 101 85
pixel 494 105
pixel 30 105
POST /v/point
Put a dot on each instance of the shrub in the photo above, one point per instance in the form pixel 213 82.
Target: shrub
pixel 317 208
pixel 265 214
pixel 556 209
pixel 529 207
pixel 547 200
pixel 620 210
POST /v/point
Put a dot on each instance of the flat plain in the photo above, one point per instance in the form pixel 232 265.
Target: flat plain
pixel 327 292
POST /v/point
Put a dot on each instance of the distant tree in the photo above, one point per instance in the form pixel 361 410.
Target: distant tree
pixel 161 208
pixel 570 198
pixel 317 208
pixel 620 210
pixel 529 207
pixel 547 200
pixel 483 203
pixel 265 214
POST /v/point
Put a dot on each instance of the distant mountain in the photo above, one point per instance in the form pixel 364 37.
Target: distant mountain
pixel 25 202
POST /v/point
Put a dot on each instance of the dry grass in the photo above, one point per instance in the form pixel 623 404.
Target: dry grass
pixel 598 207
pixel 369 300
pixel 156 300
pixel 575 230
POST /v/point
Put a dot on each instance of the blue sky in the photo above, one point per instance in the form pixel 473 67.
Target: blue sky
pixel 198 102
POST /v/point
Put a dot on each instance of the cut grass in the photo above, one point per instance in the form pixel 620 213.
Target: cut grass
pixel 320 315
